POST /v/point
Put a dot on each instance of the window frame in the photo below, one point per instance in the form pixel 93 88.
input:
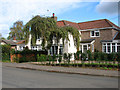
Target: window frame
pixel 95 31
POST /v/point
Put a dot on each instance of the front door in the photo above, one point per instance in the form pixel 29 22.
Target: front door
pixel 85 48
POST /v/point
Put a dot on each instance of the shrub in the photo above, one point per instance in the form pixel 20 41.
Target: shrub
pixel 78 55
pixel 42 57
pixel 6 52
pixel 89 55
pixel 65 56
pixel 54 57
pixel 84 56
pixel 69 57
pixel 59 58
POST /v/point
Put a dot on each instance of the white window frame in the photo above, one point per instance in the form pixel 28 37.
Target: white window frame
pixel 94 33
pixel 116 45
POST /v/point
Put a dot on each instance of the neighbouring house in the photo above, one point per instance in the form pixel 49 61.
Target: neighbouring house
pixel 101 35
pixel 15 44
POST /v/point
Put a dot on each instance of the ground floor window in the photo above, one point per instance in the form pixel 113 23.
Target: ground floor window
pixel 111 47
pixel 55 50
pixel 36 47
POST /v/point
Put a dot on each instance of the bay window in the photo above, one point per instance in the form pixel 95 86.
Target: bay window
pixel 111 47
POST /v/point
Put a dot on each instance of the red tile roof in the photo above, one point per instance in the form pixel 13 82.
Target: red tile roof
pixel 60 23
pixel 68 23
pixel 88 25
pixel 94 24
pixel 20 42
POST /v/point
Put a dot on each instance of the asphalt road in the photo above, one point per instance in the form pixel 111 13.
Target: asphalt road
pixel 22 78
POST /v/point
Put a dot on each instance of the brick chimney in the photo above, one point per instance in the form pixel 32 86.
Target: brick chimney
pixel 54 17
pixel 14 39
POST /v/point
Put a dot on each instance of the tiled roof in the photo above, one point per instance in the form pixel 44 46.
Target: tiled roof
pixel 87 40
pixel 68 23
pixel 73 24
pixel 102 23
pixel 20 41
pixel 13 42
pixel 60 24
pixel 8 42
pixel 95 24
pixel 106 41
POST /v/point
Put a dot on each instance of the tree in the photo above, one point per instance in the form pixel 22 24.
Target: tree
pixel 46 29
pixel 16 31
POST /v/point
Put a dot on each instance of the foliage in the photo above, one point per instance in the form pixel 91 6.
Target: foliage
pixel 59 58
pixel 42 57
pixel 69 57
pixel 47 30
pixel 6 52
pixel 78 55
pixel 16 31
pixel 28 55
pixel 65 56
pixel 84 56
pixel 54 57
pixel 30 52
pixel 89 55
pixel 49 58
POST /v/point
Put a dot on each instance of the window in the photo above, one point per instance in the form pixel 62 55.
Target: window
pixel 118 47
pixel 111 47
pixel 108 47
pixel 54 50
pixel 92 47
pixel 61 50
pixel 95 33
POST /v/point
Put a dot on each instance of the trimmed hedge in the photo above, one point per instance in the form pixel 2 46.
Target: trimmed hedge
pixel 98 56
pixel 27 55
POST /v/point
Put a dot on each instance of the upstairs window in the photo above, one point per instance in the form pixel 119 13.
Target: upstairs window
pixel 95 33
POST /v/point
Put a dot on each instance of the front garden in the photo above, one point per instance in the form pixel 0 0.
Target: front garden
pixel 91 60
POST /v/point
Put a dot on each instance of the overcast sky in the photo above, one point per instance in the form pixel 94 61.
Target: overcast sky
pixel 71 10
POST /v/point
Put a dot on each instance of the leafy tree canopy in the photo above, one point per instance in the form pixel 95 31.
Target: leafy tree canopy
pixel 16 31
pixel 46 29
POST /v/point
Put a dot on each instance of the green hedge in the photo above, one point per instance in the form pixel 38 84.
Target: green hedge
pixel 26 55
pixel 97 56
pixel 6 52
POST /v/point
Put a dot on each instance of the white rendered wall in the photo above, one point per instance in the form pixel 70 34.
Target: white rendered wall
pixel 29 42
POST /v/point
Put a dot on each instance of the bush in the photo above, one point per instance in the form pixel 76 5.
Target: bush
pixel 6 52
pixel 89 55
pixel 65 56
pixel 69 57
pixel 84 56
pixel 78 55
pixel 29 55
pixel 59 58
pixel 54 57
pixel 41 58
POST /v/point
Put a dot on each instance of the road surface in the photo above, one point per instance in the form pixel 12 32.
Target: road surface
pixel 23 78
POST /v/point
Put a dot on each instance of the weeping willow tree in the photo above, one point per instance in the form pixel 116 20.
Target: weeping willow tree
pixel 46 29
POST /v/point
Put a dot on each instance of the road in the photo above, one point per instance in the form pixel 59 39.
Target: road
pixel 23 78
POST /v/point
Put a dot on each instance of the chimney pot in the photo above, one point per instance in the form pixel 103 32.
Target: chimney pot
pixel 53 14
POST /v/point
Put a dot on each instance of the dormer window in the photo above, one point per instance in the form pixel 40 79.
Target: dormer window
pixel 95 33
